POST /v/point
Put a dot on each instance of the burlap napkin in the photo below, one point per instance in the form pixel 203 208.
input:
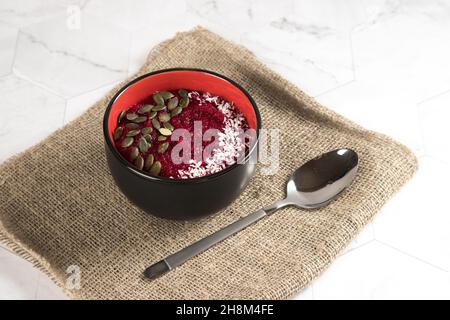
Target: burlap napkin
pixel 59 206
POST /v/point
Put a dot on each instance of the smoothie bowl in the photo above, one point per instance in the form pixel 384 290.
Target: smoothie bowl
pixel 181 143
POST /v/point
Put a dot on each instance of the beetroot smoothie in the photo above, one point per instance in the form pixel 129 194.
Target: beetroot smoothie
pixel 147 132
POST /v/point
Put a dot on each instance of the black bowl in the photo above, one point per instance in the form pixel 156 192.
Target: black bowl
pixel 180 199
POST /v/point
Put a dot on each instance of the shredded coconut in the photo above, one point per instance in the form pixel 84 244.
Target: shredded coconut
pixel 230 143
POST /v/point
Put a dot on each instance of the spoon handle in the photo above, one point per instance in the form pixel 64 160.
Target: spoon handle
pixel 178 258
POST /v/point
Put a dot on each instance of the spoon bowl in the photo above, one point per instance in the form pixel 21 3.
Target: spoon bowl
pixel 320 180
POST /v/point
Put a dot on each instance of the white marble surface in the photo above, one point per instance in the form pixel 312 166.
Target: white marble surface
pixel 382 63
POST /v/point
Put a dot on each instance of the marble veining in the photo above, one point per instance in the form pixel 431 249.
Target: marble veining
pixel 71 54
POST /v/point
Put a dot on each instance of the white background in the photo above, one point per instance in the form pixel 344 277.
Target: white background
pixel 384 64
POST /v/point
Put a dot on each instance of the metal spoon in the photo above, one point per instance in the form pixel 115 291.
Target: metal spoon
pixel 315 184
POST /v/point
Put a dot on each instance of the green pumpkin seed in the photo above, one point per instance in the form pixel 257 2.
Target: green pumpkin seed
pixel 140 119
pixel 176 111
pixel 131 126
pixel 139 163
pixel 166 95
pixel 158 98
pixel 183 93
pixel 118 133
pixel 143 145
pixel 134 153
pixel 173 103
pixel 152 115
pixel 165 131
pixel 184 102
pixel 148 137
pixel 162 138
pixel 167 125
pixel 121 116
pixel 158 107
pixel 163 147
pixel 145 108
pixel 133 133
pixel 155 168
pixel 147 130
pixel 156 124
pixel 149 162
pixel 164 117
pixel 132 116
pixel 128 141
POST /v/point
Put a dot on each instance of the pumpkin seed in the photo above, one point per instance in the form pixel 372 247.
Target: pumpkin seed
pixel 184 102
pixel 163 147
pixel 121 116
pixel 134 153
pixel 183 93
pixel 152 115
pixel 158 107
pixel 162 138
pixel 118 133
pixel 133 133
pixel 166 95
pixel 131 126
pixel 158 98
pixel 140 119
pixel 148 137
pixel 155 168
pixel 165 131
pixel 173 103
pixel 132 116
pixel 164 117
pixel 147 130
pixel 128 141
pixel 167 125
pixel 145 108
pixel 139 163
pixel 149 161
pixel 143 145
pixel 156 124
pixel 176 111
